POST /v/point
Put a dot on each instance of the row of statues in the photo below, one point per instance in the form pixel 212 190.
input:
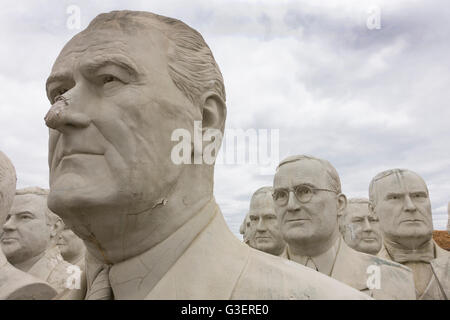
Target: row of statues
pixel 150 227
pixel 305 217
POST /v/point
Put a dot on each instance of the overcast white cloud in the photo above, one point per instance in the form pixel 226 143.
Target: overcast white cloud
pixel 366 100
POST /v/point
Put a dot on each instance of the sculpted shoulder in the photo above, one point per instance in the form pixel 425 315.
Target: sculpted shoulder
pixel 384 263
pixel 396 280
pixel 288 280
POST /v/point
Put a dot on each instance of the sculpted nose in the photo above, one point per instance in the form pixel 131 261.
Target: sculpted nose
pixel 293 204
pixel 409 205
pixel 9 225
pixel 62 116
pixel 367 226
pixel 260 225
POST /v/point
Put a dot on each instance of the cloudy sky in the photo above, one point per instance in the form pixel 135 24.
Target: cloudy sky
pixel 334 86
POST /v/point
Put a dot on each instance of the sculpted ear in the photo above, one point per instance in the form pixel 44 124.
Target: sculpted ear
pixel 57 228
pixel 214 112
pixel 371 208
pixel 342 204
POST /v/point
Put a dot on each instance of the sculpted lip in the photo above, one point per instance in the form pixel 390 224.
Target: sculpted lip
pixel 298 219
pixel 412 220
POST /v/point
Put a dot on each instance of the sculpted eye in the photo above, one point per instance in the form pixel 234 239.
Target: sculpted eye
pixel 109 78
pixel 419 195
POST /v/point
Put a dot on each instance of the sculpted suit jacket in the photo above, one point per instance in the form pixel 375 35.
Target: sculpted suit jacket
pixel 439 286
pixel 354 268
pixel 52 268
pixel 18 285
pixel 204 260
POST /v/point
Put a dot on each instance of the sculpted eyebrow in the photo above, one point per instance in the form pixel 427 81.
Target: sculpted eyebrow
pixel 62 76
pixel 25 212
pixel 390 194
pixel 118 60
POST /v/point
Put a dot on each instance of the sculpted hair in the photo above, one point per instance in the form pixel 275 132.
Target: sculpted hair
pixel 191 65
pixel 262 190
pixel 8 181
pixel 372 187
pixel 333 176
pixel 51 218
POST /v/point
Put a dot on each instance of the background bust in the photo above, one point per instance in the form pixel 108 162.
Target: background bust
pixel 30 228
pixel 263 221
pixel 359 227
pixel 15 284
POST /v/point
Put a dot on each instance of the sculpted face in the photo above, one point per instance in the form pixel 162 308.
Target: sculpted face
pixel 26 233
pixel 266 232
pixel 315 221
pixel 109 151
pixel 403 206
pixel 70 245
pixel 361 228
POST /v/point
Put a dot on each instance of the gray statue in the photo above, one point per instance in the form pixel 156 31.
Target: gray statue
pixel 29 238
pixel 14 283
pixel 360 228
pixel 244 228
pixel 263 219
pixel 119 91
pixel 308 200
pixel 401 200
pixel 71 247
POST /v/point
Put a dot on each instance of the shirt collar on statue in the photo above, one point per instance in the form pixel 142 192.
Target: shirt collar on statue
pixel 135 278
pixel 425 253
pixel 324 261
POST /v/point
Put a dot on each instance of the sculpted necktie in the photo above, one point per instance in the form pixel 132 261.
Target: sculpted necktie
pixel 101 287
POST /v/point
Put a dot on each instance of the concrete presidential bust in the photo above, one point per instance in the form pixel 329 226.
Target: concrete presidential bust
pixel 151 226
pixel 308 200
pixel 360 228
pixel 264 223
pixel 401 200
pixel 14 283
pixel 29 238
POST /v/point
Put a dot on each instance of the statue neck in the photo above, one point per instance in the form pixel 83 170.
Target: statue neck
pixel 27 264
pixel 141 232
pixel 314 248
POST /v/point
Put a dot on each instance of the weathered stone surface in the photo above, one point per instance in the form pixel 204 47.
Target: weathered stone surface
pixel 401 200
pixel 151 226
pixel 359 227
pixel 308 201
pixel 265 230
pixel 14 283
